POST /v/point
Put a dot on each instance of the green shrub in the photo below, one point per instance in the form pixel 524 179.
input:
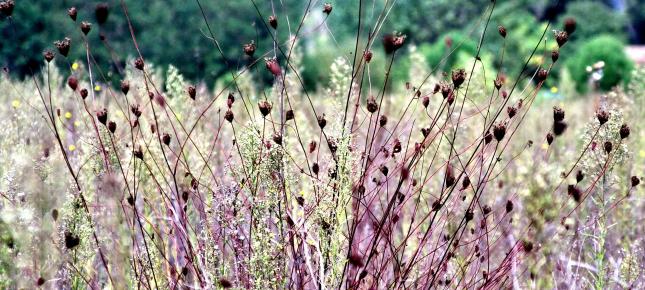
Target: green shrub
pixel 602 48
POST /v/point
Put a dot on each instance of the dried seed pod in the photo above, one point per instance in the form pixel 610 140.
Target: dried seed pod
pixel 499 131
pixel 86 27
pixel 486 209
pixel 72 12
pixel 574 192
pixel 465 182
pixel 102 116
pixel 502 31
pixel 372 106
pixel 71 240
pixel 288 115
pixel 327 8
pixel 165 138
pixel 527 246
pixel 579 176
pixel 277 138
pixel 541 75
pixel 384 170
pixel 555 55
pixel 138 153
pixel 125 87
pixel 322 122
pixel 624 131
pixel 112 126
pixel 49 55
pixel 228 116
pixel 450 177
pixel 608 147
pixel 559 128
pixel 72 82
pixel 273 21
pixel 488 137
pixel 356 260
pixel 392 42
pixel 570 25
pixel 549 138
pixel 102 11
pixel 6 7
pixel 265 108
pixel 368 56
pixel 225 283
pixel 498 83
pixel 426 101
pixel 63 46
pixel 230 100
pixel 192 92
pixel 509 206
pixel 249 48
pixel 312 146
pixel 138 63
pixel 561 37
pixel 135 110
pixel 511 111
pixel 315 168
pixel 273 66
pixel 83 93
pixel 635 181
pixel 382 121
pixel 558 114
pixel 458 77
pixel 469 215
pixel 602 116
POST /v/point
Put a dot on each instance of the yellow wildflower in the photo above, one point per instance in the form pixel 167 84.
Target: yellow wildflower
pixel 97 88
pixel 68 115
pixel 15 104
pixel 554 90
pixel 75 66
pixel 71 147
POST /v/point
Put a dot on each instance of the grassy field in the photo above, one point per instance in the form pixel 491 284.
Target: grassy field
pixel 460 179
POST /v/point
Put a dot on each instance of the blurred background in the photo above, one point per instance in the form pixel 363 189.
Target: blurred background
pixel 173 32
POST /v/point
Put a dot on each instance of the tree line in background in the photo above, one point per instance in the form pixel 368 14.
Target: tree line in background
pixel 173 32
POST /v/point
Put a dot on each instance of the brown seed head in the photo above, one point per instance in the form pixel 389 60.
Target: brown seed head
pixel 570 25
pixel 249 48
pixel 72 12
pixel 372 106
pixel 273 21
pixel 112 126
pixel 228 116
pixel 368 56
pixel 549 138
pixel 6 7
pixel 502 31
pixel 192 92
pixel 458 77
pixel 102 11
pixel 322 122
pixel 72 82
pixel 102 116
pixel 49 55
pixel 86 27
pixel 624 131
pixel 561 37
pixel 125 87
pixel 138 63
pixel 602 116
pixel 165 138
pixel 499 131
pixel 63 46
pixel 327 8
pixel 265 108
pixel 83 93
pixel 635 181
